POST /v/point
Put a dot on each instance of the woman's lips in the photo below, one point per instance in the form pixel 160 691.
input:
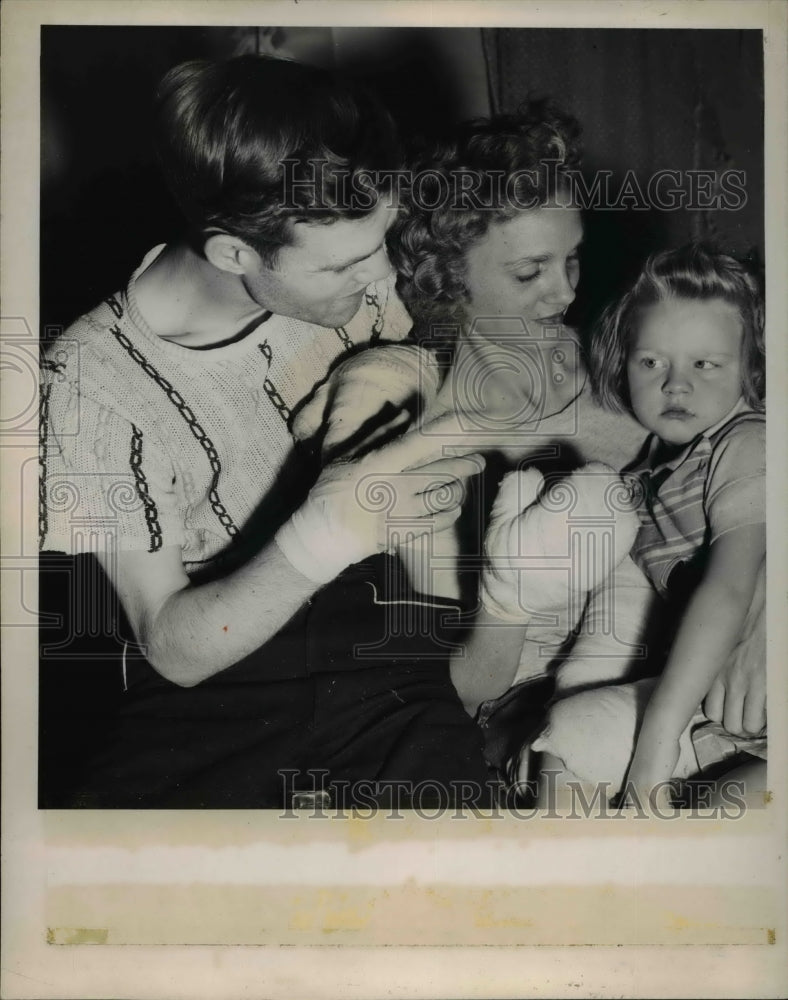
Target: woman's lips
pixel 556 319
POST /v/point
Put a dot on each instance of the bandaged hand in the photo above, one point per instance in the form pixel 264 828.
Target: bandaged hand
pixel 369 396
pixel 545 551
pixel 359 508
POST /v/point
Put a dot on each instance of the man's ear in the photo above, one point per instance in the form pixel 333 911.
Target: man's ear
pixel 228 253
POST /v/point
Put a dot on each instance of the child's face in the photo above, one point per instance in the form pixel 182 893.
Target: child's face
pixel 684 367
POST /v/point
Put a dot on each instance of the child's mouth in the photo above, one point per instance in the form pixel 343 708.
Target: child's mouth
pixel 677 413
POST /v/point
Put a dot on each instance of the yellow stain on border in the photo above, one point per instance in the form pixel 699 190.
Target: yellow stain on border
pixel 411 914
pixel 77 935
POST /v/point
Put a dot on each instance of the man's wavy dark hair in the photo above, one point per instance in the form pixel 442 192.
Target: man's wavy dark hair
pixel 225 130
pixel 493 168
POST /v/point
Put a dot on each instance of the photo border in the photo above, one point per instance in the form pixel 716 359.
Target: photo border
pixel 43 850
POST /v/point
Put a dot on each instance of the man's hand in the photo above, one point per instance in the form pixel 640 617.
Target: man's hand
pixel 368 398
pixel 358 508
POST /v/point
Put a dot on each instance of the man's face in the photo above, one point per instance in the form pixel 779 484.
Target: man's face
pixel 321 277
pixel 684 367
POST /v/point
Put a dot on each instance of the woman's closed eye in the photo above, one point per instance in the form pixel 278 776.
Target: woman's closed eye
pixel 572 265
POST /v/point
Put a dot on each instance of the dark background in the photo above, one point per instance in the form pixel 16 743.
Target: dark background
pixel 647 100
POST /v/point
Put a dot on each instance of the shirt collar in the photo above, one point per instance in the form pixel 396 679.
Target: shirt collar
pixel 692 447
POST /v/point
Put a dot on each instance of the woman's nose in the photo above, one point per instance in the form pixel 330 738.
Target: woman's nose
pixel 562 291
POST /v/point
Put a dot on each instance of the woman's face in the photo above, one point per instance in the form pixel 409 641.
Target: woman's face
pixel 525 268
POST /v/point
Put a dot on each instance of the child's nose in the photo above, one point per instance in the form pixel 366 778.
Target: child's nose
pixel 677 379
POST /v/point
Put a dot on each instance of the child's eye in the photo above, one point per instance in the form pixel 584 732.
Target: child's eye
pixel 651 363
pixel 705 366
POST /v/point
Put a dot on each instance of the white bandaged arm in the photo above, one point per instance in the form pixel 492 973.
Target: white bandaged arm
pixel 545 550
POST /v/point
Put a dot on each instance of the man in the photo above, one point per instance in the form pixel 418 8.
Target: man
pixel 168 411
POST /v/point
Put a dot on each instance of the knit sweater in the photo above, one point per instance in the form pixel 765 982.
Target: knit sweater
pixel 146 443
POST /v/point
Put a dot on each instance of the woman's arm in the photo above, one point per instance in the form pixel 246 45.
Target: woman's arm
pixel 487 664
pixel 710 628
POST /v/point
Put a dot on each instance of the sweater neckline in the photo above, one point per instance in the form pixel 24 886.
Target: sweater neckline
pixel 232 347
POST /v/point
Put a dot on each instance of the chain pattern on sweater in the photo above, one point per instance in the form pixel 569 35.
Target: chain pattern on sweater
pixel 143 492
pixel 343 335
pixel 43 422
pixel 115 306
pixel 194 426
pixel 270 389
pixel 373 300
pixel 58 367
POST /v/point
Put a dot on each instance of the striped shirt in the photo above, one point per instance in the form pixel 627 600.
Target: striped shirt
pixel 716 484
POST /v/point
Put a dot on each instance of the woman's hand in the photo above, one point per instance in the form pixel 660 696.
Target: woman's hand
pixel 651 769
pixel 505 547
pixel 367 399
pixel 544 555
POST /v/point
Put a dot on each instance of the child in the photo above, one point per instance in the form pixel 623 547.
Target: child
pixel 684 351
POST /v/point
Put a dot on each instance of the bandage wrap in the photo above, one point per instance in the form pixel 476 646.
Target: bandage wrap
pixel 545 549
pixel 323 537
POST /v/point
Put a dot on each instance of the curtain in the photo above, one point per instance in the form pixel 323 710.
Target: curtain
pixel 648 101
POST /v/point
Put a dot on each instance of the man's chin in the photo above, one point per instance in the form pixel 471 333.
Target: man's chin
pixel 349 309
pixel 339 314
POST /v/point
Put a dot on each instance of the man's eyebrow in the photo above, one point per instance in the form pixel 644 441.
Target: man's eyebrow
pixel 349 263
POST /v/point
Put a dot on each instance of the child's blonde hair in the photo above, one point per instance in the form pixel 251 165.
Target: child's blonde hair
pixel 691 272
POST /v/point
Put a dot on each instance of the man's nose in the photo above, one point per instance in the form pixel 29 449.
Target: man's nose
pixel 375 268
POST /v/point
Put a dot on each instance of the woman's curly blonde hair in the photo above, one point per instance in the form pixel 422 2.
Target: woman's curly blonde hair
pixel 492 169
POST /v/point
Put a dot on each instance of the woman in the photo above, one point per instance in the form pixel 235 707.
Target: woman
pixel 488 250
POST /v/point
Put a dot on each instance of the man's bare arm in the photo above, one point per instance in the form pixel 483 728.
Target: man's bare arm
pixel 192 632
